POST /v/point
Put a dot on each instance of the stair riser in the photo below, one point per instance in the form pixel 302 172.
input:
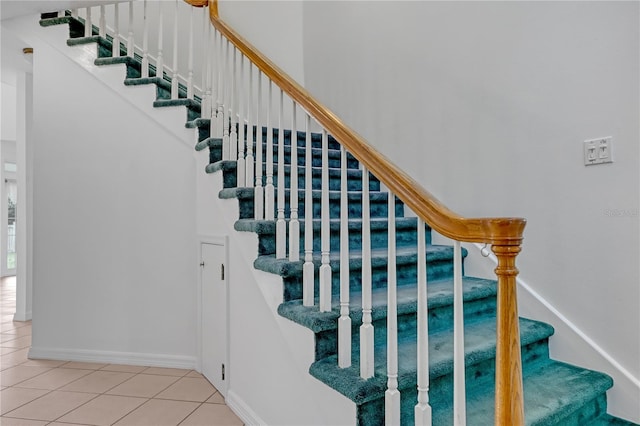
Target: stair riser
pixel 316 139
pixel 379 239
pixel 378 207
pixel 479 378
pixel 405 274
pixel 215 154
pixel 354 182
pixel 583 414
pixel 440 318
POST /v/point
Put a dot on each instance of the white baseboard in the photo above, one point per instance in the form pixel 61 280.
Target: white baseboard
pixel 22 316
pixel 108 357
pixel 242 410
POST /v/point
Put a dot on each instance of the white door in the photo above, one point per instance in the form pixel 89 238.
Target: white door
pixel 214 316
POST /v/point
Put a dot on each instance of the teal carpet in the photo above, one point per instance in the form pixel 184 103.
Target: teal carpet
pixel 555 393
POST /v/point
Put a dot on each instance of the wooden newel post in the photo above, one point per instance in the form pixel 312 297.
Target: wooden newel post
pixel 509 404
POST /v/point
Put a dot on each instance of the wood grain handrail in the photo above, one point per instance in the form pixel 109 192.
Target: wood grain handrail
pixel 498 231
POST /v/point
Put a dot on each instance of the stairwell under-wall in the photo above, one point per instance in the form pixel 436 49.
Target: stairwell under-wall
pixel 555 392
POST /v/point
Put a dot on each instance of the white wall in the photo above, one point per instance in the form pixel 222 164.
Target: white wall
pixel 274 27
pixel 487 104
pixel 114 223
pixel 8 119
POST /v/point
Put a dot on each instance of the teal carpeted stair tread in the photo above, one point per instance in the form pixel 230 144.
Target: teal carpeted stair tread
pixel 333 155
pixel 117 60
pixel 440 293
pixel 57 20
pixel 555 393
pixel 608 420
pixel 269 226
pixel 190 103
pixel 378 203
pixel 479 346
pixel 209 143
pixel 198 122
pixel 86 40
pixel 405 255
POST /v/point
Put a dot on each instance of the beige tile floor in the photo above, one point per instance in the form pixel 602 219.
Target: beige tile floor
pixel 57 393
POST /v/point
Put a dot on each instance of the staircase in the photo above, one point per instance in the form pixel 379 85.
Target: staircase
pixel 555 393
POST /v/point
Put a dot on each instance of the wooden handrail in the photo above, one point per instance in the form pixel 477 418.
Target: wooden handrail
pixel 504 234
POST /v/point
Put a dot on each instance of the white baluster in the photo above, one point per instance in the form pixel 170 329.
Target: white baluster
pixel 249 161
pixel 160 60
pixel 145 42
pixel 102 30
pixel 422 410
pixel 459 397
pixel 130 45
pixel 258 192
pixel 308 278
pixel 392 394
pixel 224 117
pixel 233 109
pixel 88 25
pixel 241 170
pixel 325 234
pixel 294 223
pixel 269 190
pixel 219 64
pixel 61 13
pixel 206 105
pixel 74 13
pixel 115 47
pixel 174 75
pixel 366 329
pixel 190 61
pixel 206 35
pixel 344 322
pixel 281 225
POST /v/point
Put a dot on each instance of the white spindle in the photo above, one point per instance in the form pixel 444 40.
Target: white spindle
pixel 207 75
pixel 325 230
pixel 219 64
pixel 102 30
pixel 61 13
pixel 130 45
pixel 249 161
pixel 115 47
pixel 74 13
pixel 88 25
pixel 269 190
pixel 258 191
pixel 344 322
pixel 459 398
pixel 242 173
pixel 392 394
pixel 308 284
pixel 224 117
pixel 206 35
pixel 281 225
pixel 145 42
pixel 233 107
pixel 366 329
pixel 422 410
pixel 294 223
pixel 174 75
pixel 160 60
pixel 190 61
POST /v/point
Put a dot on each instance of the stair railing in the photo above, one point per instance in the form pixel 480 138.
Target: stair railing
pixel 236 95
pixel 504 234
pixel 137 30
